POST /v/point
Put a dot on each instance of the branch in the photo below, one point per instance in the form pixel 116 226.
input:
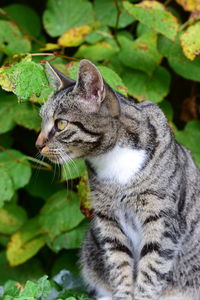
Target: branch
pixel 46 167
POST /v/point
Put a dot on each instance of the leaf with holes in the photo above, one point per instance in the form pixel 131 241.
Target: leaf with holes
pixel 154 15
pixel 12 41
pixel 27 80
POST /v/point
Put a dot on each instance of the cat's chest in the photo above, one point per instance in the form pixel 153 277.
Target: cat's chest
pixel 119 165
pixel 131 226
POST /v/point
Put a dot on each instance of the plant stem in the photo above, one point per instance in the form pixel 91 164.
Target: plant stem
pixel 46 168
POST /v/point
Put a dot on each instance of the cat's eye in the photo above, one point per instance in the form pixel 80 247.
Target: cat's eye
pixel 61 124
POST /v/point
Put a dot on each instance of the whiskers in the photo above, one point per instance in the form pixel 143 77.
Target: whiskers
pixel 70 170
pixel 64 167
pixel 38 158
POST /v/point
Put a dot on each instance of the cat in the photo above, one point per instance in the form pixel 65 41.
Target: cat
pixel 144 240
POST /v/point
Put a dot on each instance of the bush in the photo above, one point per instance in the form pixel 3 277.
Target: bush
pixel 144 49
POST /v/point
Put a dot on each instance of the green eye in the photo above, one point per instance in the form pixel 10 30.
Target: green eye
pixel 61 124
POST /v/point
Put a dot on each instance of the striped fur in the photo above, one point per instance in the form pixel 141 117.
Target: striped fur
pixel 144 240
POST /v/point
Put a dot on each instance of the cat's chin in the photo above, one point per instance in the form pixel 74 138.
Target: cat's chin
pixel 59 161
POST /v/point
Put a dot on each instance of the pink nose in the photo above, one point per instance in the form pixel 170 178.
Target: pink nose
pixel 41 141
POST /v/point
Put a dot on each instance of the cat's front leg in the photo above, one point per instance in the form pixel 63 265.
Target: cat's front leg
pixel 161 236
pixel 116 256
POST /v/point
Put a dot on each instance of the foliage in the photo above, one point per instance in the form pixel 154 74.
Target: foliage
pixel 144 49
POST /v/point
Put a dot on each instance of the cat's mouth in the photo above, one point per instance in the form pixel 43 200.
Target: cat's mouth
pixel 54 156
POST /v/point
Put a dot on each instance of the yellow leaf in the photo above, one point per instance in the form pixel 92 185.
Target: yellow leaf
pixel 50 46
pixel 83 194
pixel 17 252
pixel 25 242
pixel 190 41
pixel 189 5
pixel 74 36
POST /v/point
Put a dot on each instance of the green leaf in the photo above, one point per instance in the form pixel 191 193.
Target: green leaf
pixel 144 87
pixel 108 74
pixel 154 15
pixel 8 103
pixel 190 137
pixel 6 186
pixel 141 54
pixel 190 41
pixel 27 115
pixel 113 80
pixel 27 80
pixel 167 109
pixel 31 290
pixel 25 243
pixel 73 169
pixel 27 19
pixel 27 271
pixel 11 290
pixel 15 164
pixel 99 51
pixel 41 288
pixel 37 186
pixel 61 213
pixel 12 41
pixel 12 217
pixel 98 35
pixel 62 15
pixel 142 29
pixel 71 239
pixel 177 61
pixel 106 12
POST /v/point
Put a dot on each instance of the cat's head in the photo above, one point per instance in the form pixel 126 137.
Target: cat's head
pixel 79 119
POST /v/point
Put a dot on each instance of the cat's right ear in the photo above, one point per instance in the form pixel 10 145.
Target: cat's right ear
pixel 56 78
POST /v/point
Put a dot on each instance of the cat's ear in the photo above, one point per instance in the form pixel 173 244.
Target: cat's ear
pixel 90 85
pixel 56 78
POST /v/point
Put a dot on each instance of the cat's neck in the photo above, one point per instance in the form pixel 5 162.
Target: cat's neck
pixel 121 164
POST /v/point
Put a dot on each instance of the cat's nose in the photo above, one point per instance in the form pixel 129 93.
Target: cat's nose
pixel 40 142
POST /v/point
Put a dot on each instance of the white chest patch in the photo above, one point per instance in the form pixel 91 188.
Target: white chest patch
pixel 132 229
pixel 119 164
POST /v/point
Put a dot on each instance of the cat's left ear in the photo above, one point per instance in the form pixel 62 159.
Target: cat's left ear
pixel 57 79
pixel 90 85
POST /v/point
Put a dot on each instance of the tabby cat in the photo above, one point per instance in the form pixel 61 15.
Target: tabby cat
pixel 144 240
